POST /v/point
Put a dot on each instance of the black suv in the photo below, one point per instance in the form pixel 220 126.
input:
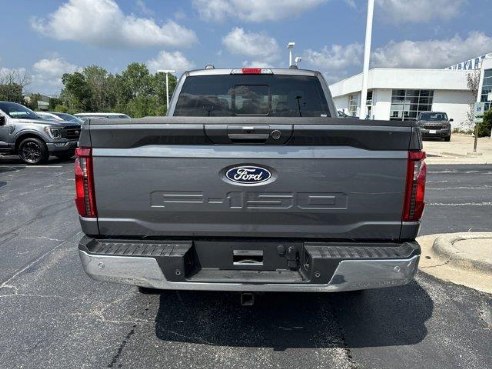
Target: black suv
pixel 435 124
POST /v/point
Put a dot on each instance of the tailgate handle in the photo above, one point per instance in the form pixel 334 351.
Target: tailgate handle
pixel 248 136
pixel 249 133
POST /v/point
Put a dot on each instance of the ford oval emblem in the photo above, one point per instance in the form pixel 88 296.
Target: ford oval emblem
pixel 248 175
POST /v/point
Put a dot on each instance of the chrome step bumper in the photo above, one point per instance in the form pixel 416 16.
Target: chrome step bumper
pixel 356 273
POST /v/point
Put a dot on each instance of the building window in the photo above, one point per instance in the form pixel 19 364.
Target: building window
pixel 486 88
pixel 407 104
pixel 369 98
pixel 352 105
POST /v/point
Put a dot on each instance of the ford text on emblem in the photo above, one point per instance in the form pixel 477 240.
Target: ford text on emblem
pixel 248 175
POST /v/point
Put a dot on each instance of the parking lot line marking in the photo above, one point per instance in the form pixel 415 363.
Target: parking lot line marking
pixel 44 166
pixel 462 204
pixel 38 259
pixel 31 166
pixel 483 187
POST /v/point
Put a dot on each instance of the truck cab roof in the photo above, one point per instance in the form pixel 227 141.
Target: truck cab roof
pixel 252 70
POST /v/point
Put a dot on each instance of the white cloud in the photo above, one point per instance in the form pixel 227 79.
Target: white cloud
pixel 351 3
pixel 257 64
pixel 333 78
pixel 419 11
pixel 54 67
pixel 259 46
pixel 335 57
pixel 47 74
pixel 432 53
pixel 142 7
pixel 170 60
pixel 252 10
pixel 102 22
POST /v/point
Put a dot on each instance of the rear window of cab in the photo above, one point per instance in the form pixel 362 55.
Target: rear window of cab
pixel 252 95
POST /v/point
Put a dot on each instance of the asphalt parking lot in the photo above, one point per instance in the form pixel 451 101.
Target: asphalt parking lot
pixel 53 315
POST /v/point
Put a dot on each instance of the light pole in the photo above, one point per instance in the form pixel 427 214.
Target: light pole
pixel 290 46
pixel 367 56
pixel 167 71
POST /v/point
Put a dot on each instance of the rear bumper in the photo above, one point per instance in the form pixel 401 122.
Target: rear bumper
pixel 62 146
pixel 344 274
pixel 429 132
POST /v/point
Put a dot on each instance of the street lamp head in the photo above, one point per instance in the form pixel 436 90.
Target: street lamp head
pixel 166 71
pixel 291 45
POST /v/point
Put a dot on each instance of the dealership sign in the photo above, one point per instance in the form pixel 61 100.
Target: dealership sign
pixel 471 64
pixel 479 111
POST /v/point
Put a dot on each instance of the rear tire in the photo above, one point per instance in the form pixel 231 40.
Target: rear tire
pixel 33 151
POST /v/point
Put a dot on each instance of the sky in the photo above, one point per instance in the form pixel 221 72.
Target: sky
pixel 50 37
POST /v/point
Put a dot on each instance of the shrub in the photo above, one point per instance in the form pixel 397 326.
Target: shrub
pixel 485 127
pixel 61 108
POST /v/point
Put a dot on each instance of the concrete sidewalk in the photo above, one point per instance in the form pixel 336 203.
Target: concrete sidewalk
pixel 461 258
pixel 459 150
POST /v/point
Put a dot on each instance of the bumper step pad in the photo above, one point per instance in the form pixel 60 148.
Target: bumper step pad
pixel 174 257
pixel 354 251
pixel 141 248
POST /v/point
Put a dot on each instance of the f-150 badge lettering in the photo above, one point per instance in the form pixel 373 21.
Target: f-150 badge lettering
pixel 248 175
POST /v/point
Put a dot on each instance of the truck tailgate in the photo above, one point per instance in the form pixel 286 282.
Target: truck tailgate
pixel 327 181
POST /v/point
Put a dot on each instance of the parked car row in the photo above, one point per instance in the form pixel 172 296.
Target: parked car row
pixel 34 136
pixel 59 117
pixel 85 116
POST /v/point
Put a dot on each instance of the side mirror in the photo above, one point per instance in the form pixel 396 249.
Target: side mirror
pixel 2 120
pixel 451 120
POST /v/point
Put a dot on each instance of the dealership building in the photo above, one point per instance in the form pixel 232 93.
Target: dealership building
pixel 401 93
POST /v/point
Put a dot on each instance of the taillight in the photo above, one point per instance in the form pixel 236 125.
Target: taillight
pixel 415 186
pixel 85 199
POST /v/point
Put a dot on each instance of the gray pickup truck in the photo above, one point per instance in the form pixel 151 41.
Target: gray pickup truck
pixel 33 138
pixel 250 184
pixel 435 125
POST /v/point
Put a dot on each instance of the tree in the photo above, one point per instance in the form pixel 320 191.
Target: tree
pixel 12 84
pixel 137 80
pixel 98 80
pixel 55 102
pixel 76 94
pixel 32 101
pixel 139 92
pixel 11 92
pixel 484 128
pixel 473 83
pixel 135 91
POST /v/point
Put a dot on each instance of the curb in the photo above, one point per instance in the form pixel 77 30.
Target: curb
pixel 444 247
pixel 453 155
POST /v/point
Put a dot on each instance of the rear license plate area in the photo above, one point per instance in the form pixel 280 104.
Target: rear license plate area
pixel 247 257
